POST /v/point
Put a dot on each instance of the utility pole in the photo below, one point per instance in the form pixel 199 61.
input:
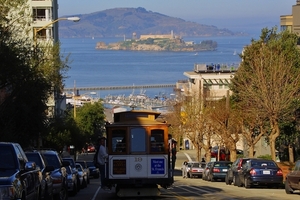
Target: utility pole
pixel 74 99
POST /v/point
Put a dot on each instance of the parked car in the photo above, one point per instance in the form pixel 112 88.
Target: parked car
pixel 292 179
pixel 59 175
pixel 195 169
pixel 218 170
pixel 82 175
pixel 94 171
pixel 260 172
pixel 72 181
pixel 46 188
pixel 206 170
pixel 19 178
pixel 235 168
pixel 85 168
pixel 91 148
pixel 73 165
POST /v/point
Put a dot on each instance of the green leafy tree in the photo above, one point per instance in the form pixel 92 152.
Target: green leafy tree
pixel 268 79
pixel 90 119
pixel 28 76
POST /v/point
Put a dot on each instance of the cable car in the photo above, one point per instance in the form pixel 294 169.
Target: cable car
pixel 138 149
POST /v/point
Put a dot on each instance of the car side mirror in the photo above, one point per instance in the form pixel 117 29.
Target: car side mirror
pixel 30 166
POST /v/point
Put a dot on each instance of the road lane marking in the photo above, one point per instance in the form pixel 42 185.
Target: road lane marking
pixel 187 155
pixel 96 193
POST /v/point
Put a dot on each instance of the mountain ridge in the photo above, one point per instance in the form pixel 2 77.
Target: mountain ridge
pixel 123 22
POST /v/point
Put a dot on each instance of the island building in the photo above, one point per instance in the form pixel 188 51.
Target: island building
pixel 291 22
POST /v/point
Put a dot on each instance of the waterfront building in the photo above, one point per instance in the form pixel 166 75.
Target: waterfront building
pixel 291 22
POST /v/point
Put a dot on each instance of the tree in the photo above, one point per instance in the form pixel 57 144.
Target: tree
pixel 27 74
pixel 90 119
pixel 268 79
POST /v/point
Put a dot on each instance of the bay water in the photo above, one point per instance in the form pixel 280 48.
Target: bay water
pixel 90 67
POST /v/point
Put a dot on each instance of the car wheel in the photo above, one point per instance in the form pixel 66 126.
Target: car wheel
pixel 63 194
pixel 84 184
pixel 74 191
pixel 226 179
pixel 238 182
pixel 287 188
pixel 48 195
pixel 246 183
pixel 234 180
pixel 208 177
pixel 212 178
pixel 188 175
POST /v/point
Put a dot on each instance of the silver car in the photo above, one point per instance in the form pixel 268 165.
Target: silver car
pixel 195 169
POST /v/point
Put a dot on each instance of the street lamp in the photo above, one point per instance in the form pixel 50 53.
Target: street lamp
pixel 36 30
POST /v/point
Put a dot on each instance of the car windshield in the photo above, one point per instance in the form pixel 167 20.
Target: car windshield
pixel 52 160
pixel 7 158
pixel 71 161
pixel 35 158
pixel 196 165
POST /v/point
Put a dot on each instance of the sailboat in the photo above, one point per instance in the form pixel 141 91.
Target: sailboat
pixel 234 53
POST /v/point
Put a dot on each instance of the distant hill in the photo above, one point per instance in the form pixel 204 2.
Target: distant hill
pixel 118 22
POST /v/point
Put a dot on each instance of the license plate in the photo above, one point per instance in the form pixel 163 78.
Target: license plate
pixel 266 172
pixel 224 170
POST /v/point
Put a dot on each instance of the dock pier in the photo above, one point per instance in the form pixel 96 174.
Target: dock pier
pixel 120 87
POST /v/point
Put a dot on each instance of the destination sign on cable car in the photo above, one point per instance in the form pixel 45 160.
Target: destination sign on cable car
pixel 157 166
pixel 119 166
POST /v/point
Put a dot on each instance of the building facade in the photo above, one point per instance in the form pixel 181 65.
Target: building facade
pixel 291 22
pixel 44 12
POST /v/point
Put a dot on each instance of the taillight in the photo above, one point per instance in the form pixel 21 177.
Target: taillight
pixel 252 172
pixel 216 170
pixel 279 172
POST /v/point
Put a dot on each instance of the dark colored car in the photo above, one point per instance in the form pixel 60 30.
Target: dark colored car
pixel 82 175
pixel 19 178
pixel 293 179
pixel 72 181
pixel 46 189
pixel 218 170
pixel 195 169
pixel 206 171
pixel 85 168
pixel 94 171
pixel 59 175
pixel 236 167
pixel 73 165
pixel 260 172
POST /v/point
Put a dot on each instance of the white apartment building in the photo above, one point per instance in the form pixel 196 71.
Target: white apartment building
pixel 44 12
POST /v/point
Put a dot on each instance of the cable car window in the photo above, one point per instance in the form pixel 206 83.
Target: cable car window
pixel 157 140
pixel 118 140
pixel 138 138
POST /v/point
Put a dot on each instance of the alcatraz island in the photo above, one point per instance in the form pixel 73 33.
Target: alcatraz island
pixel 167 42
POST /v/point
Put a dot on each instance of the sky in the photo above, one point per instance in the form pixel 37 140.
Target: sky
pixel 236 15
